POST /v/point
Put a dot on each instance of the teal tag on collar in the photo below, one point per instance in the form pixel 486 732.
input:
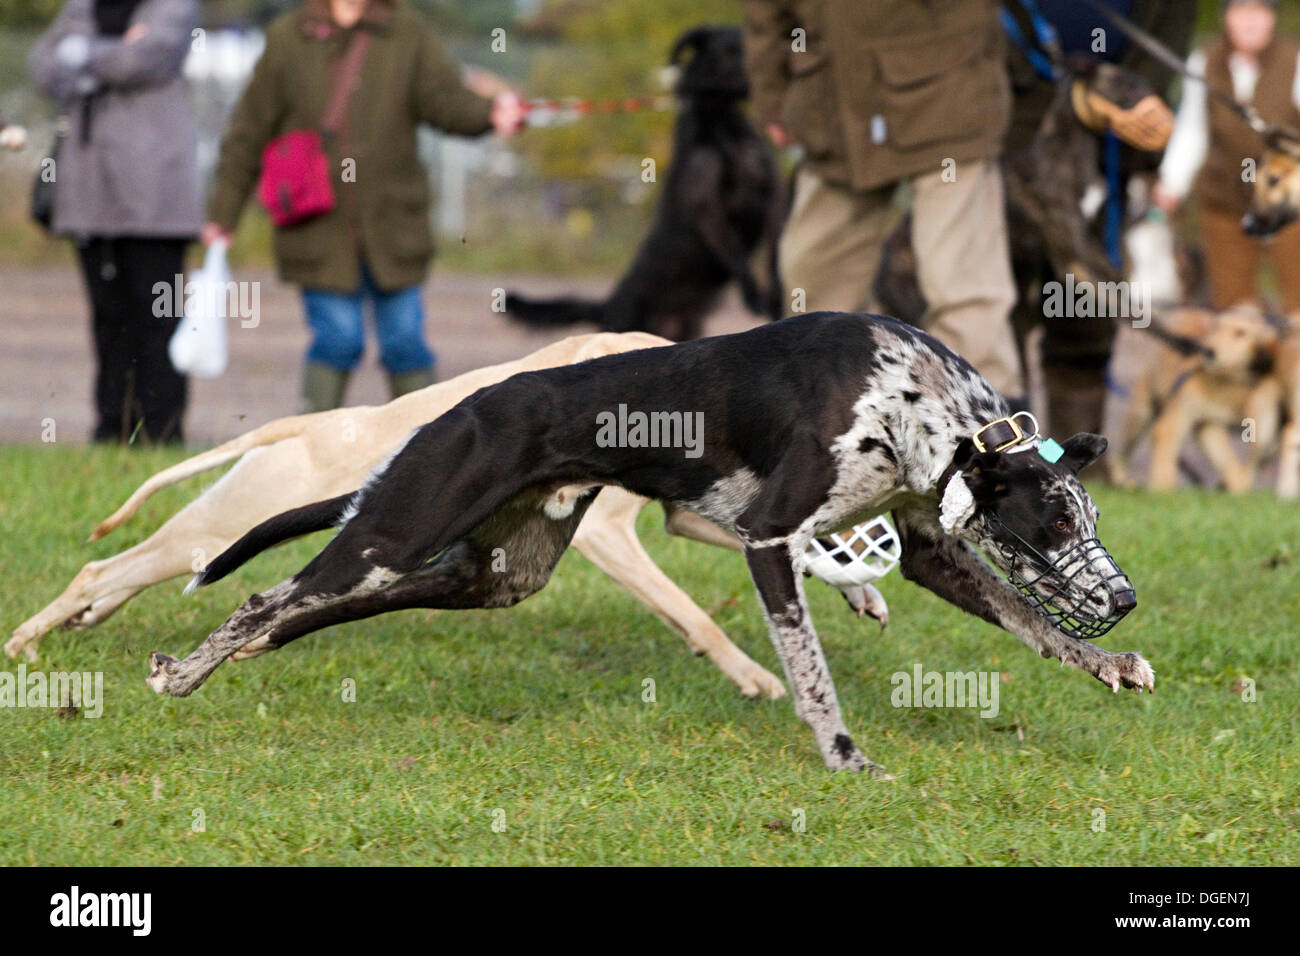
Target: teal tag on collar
pixel 1050 450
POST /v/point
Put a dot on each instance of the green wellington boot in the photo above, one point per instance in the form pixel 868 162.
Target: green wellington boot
pixel 322 387
pixel 404 383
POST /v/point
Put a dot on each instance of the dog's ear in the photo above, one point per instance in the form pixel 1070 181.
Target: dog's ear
pixel 1082 450
pixel 985 479
pixel 692 39
pixel 981 471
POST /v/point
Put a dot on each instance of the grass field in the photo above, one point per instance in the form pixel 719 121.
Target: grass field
pixel 534 717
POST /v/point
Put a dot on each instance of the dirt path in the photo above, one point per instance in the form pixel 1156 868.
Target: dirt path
pixel 46 365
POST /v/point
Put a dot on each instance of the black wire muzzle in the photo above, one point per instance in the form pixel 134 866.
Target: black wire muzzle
pixel 1048 591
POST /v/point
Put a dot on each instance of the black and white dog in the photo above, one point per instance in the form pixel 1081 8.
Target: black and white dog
pixel 721 203
pixel 779 434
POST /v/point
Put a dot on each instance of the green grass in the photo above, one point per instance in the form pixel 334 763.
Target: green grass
pixel 537 712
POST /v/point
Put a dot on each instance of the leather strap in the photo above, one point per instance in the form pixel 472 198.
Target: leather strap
pixel 345 80
pixel 997 436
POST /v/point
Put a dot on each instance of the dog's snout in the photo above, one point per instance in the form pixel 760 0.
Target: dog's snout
pixel 1262 362
pixel 1125 601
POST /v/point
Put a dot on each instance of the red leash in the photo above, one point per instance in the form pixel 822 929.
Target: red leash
pixel 540 112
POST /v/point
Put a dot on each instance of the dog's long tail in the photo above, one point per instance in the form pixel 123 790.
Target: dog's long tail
pixel 267 434
pixel 552 313
pixel 288 524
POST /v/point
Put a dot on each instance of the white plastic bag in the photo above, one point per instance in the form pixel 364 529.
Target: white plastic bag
pixel 198 346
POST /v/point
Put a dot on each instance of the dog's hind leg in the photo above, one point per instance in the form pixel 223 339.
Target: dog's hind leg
pixel 953 570
pixel 1288 464
pixel 607 538
pixel 507 557
pixel 682 523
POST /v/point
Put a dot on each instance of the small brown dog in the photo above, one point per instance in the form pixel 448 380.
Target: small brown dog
pixel 1227 388
pixel 1276 199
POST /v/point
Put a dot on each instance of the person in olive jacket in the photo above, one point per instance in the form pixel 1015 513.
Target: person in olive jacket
pixel 375 245
pixel 126 191
pixel 878 94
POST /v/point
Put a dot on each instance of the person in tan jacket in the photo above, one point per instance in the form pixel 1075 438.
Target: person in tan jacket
pixel 1212 150
pixel 879 94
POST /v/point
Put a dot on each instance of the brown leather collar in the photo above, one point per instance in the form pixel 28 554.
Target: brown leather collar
pixel 1005 433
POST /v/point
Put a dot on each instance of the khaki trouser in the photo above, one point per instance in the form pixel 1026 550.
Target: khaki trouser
pixel 831 249
pixel 1232 261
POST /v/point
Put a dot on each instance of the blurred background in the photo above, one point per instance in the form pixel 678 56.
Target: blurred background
pixel 560 208
pixel 563 200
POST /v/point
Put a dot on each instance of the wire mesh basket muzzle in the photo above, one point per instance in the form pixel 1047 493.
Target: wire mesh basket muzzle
pixel 1052 591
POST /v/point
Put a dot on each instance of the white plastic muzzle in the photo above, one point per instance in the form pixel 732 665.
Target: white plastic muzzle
pixel 864 554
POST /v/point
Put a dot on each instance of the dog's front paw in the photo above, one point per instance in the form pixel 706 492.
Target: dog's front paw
pixel 1127 669
pixel 163 677
pixel 843 755
pixel 21 643
pixel 866 601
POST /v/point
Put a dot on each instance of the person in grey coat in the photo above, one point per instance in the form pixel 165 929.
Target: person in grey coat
pixel 126 192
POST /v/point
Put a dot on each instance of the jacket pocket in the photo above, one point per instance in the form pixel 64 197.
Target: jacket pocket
pixel 403 232
pixel 808 110
pixel 933 93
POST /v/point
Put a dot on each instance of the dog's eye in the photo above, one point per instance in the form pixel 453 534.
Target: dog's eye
pixel 1061 524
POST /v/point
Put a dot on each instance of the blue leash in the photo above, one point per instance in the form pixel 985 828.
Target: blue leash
pixel 1038 54
pixel 1044 34
pixel 1113 228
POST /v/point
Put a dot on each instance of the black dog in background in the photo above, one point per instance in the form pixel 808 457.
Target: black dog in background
pixel 722 201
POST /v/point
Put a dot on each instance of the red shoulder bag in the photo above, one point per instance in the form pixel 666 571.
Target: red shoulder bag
pixel 295 184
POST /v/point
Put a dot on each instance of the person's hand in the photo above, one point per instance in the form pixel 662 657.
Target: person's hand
pixel 507 112
pixel 211 232
pixel 779 135
pixel 12 137
pixel 1164 199
pixel 136 31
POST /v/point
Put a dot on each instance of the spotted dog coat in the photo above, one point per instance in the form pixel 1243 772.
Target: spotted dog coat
pixel 811 425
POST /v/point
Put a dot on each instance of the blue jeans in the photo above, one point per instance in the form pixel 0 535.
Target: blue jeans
pixel 338 327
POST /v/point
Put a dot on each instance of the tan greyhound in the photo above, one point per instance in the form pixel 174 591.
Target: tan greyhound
pixel 294 461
